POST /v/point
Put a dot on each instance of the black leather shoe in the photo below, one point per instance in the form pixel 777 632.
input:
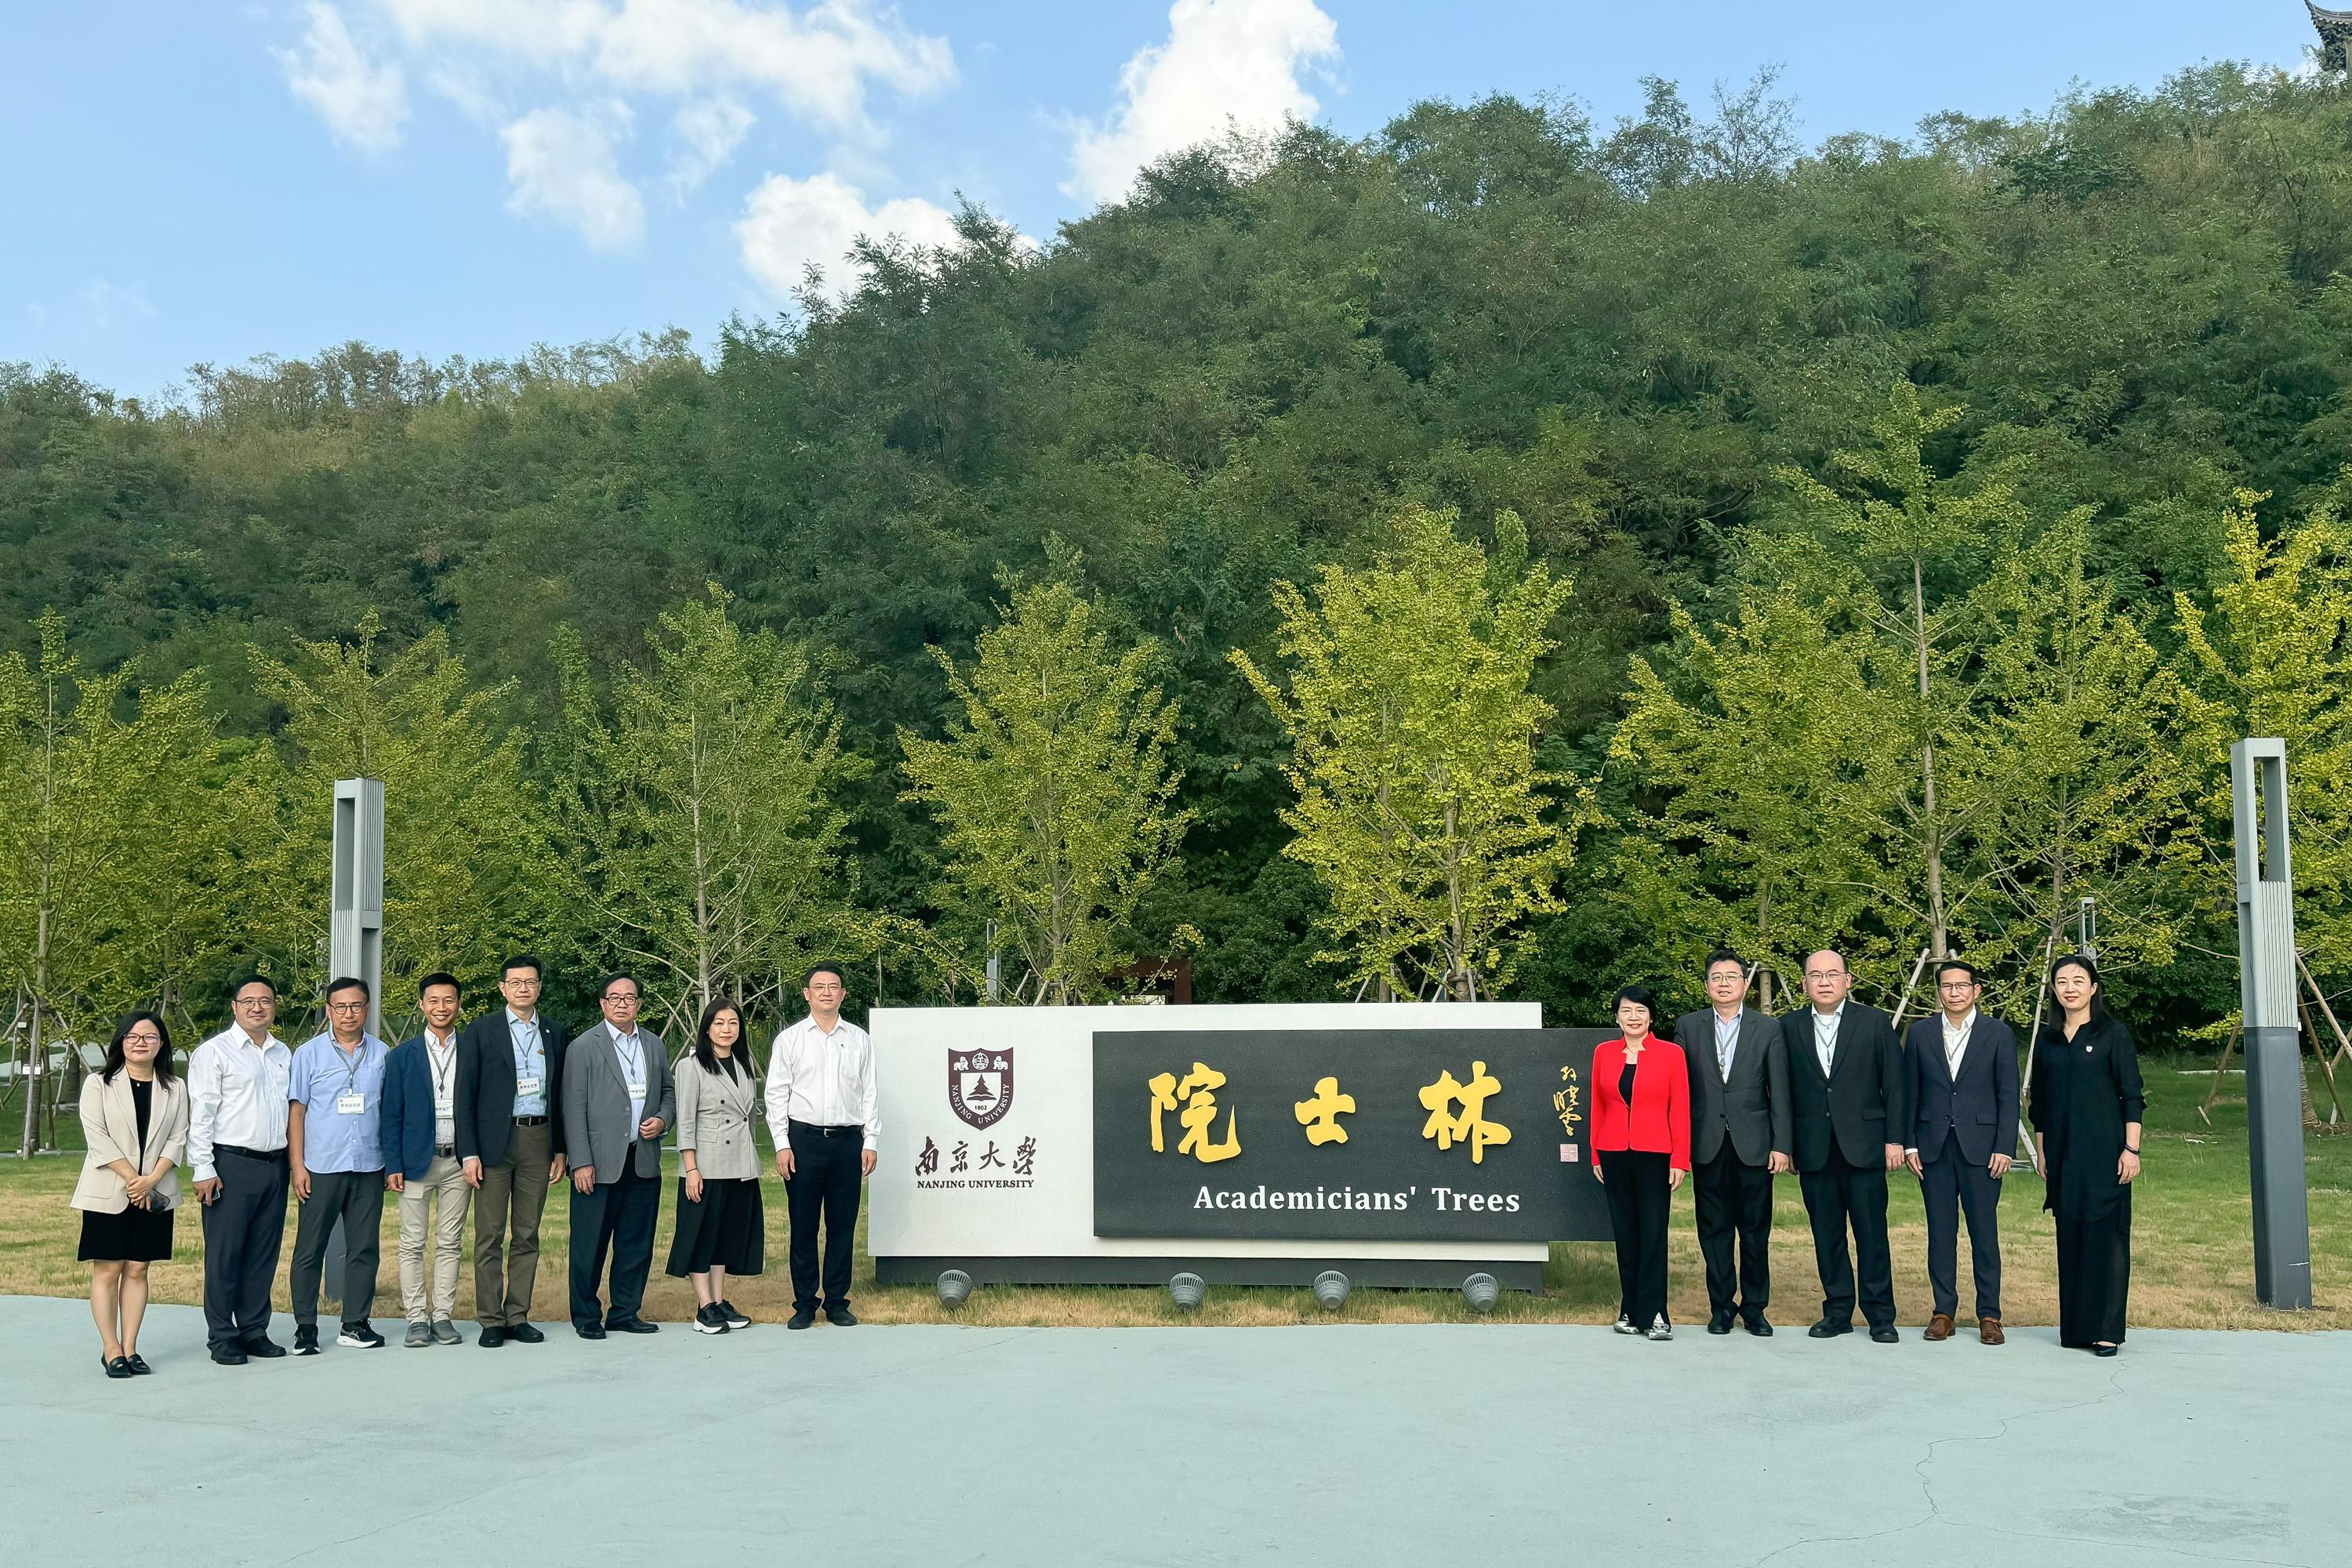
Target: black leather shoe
pixel 2104 1350
pixel 1758 1327
pixel 524 1334
pixel 800 1320
pixel 492 1338
pixel 1720 1323
pixel 634 1326
pixel 841 1317
pixel 139 1367
pixel 117 1366
pixel 224 1357
pixel 589 1331
pixel 1885 1334
pixel 1828 1329
pixel 266 1348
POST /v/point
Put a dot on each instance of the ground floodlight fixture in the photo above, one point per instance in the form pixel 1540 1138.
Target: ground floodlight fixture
pixel 1331 1289
pixel 1481 1291
pixel 954 1286
pixel 1186 1289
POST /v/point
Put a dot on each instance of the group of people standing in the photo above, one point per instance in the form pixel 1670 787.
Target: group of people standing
pixel 1738 1097
pixel 489 1117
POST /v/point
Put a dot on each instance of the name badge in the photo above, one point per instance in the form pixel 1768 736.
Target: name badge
pixel 526 1086
pixel 638 1089
pixel 349 1104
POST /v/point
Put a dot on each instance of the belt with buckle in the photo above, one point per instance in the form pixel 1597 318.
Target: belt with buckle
pixel 530 1121
pixel 826 1132
pixel 445 1151
pixel 275 1155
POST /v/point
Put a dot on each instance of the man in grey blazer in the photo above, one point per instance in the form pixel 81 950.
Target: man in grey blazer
pixel 1740 1139
pixel 617 1099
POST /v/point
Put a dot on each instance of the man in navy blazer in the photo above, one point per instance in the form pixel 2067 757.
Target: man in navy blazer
pixel 1964 1094
pixel 420 1155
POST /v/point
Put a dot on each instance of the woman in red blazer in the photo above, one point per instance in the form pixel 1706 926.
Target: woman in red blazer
pixel 1641 1143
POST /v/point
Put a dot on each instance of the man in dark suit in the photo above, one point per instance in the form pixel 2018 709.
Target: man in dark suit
pixel 617 1101
pixel 1740 1139
pixel 1964 1094
pixel 1847 1088
pixel 510 1146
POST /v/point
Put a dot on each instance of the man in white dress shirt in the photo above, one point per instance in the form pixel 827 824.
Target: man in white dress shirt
pixel 820 1109
pixel 237 1098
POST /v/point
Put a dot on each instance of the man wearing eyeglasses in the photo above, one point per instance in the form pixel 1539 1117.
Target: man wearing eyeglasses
pixel 1964 1087
pixel 510 1146
pixel 617 1101
pixel 335 1142
pixel 237 1150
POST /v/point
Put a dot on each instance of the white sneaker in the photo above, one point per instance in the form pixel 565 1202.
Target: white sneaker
pixel 1660 1329
pixel 1625 1325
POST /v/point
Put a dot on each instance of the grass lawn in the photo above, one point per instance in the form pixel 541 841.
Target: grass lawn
pixel 2191 1249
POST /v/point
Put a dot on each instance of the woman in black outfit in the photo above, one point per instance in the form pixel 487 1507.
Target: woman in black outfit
pixel 134 1123
pixel 722 1223
pixel 2088 1108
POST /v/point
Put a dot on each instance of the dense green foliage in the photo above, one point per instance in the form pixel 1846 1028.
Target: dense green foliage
pixel 1645 344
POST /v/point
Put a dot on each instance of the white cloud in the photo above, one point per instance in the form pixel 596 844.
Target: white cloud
pixel 1226 62
pixel 362 102
pixel 788 225
pixel 703 136
pixel 563 166
pixel 110 305
pixel 818 62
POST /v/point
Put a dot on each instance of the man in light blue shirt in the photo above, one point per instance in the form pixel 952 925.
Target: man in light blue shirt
pixel 335 1142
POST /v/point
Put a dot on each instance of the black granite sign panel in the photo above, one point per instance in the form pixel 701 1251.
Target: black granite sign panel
pixel 1328 1135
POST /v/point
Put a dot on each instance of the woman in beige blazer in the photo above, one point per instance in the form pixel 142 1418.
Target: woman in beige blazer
pixel 134 1122
pixel 721 1225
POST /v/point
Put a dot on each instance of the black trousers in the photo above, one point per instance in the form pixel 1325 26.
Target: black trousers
pixel 1733 1200
pixel 1951 1184
pixel 1635 1182
pixel 356 1197
pixel 244 1230
pixel 826 1181
pixel 2094 1277
pixel 1838 1195
pixel 616 1218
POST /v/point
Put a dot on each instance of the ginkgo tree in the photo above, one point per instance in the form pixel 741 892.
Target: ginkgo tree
pixel 108 842
pixel 1053 787
pixel 1405 688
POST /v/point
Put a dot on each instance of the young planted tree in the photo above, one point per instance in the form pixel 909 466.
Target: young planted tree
pixel 107 834
pixel 1919 538
pixel 462 834
pixel 2273 656
pixel 2080 764
pixel 703 843
pixel 1052 788
pixel 1741 758
pixel 1420 804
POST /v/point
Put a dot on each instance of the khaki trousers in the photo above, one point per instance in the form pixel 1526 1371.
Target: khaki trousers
pixel 513 1196
pixel 433 1209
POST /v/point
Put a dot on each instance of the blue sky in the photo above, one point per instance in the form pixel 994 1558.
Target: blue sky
pixel 195 181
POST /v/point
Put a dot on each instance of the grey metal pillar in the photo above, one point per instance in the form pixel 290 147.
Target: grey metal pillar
pixel 2266 979
pixel 355 939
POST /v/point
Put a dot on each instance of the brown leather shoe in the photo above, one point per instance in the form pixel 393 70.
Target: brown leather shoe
pixel 1989 1330
pixel 1939 1327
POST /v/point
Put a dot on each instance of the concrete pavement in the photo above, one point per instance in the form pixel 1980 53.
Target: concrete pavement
pixel 1437 1445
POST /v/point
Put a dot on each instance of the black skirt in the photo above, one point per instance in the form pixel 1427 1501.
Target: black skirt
pixel 727 1229
pixel 135 1236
